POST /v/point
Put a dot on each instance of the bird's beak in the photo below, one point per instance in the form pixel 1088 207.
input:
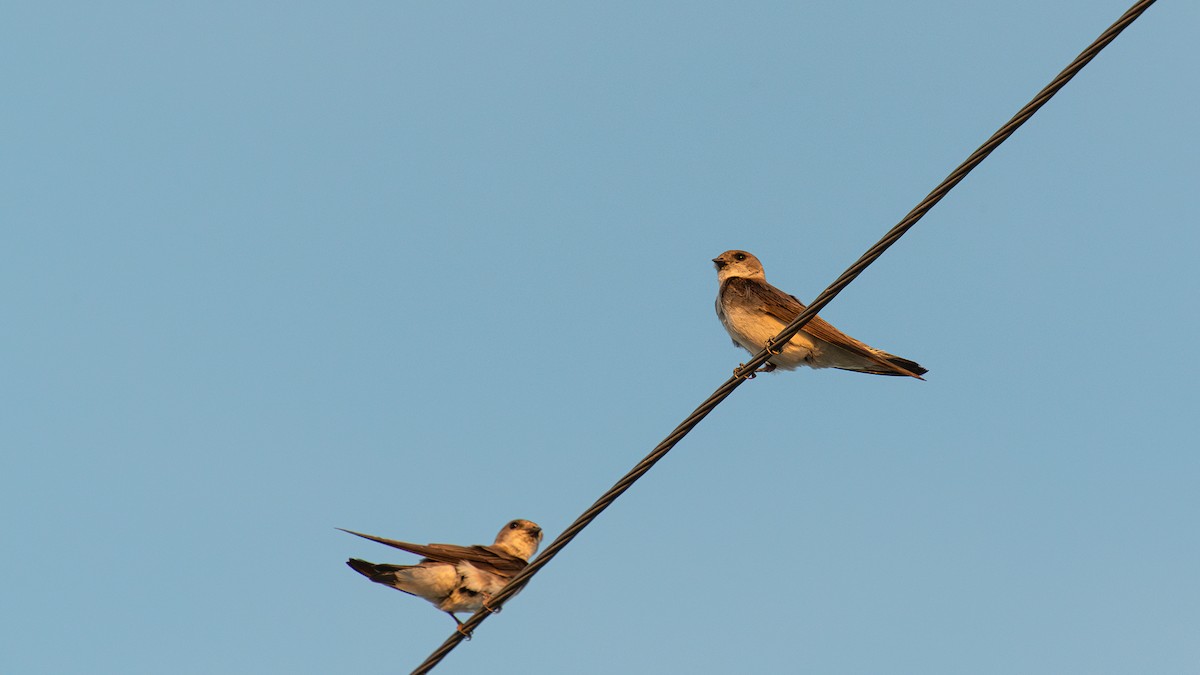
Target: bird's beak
pixel 537 532
pixel 718 263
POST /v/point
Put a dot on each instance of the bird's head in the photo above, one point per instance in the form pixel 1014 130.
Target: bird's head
pixel 738 264
pixel 520 538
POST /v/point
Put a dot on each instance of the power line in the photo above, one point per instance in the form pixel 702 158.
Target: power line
pixel 746 371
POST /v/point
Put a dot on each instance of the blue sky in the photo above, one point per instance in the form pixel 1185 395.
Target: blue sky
pixel 416 269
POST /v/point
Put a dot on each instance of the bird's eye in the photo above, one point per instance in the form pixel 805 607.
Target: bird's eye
pixel 739 256
pixel 513 525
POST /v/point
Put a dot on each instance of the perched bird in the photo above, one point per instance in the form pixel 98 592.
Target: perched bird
pixel 753 311
pixel 456 578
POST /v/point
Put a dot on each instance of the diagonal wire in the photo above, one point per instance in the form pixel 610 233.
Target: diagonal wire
pixel 746 371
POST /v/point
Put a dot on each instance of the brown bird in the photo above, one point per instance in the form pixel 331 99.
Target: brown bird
pixel 753 311
pixel 456 578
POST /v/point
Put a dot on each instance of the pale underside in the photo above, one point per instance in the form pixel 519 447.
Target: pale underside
pixel 750 330
pixel 451 588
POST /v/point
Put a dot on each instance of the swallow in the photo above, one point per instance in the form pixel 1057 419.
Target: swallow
pixel 753 311
pixel 456 578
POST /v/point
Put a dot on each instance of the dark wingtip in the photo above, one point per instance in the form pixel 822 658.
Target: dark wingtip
pixel 914 369
pixel 361 566
pixel 899 368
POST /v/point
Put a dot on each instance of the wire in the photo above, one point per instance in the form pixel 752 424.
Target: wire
pixel 746 371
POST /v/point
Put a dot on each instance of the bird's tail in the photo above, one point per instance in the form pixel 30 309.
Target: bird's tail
pixel 374 571
pixel 887 364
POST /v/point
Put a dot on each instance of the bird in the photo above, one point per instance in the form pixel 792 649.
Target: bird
pixel 456 578
pixel 753 311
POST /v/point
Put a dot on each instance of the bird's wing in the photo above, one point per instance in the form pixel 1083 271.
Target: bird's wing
pixel 762 296
pixel 486 558
pixel 758 295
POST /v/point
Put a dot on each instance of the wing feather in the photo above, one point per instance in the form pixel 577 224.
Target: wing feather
pixel 486 558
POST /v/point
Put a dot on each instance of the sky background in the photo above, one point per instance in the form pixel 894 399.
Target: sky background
pixel 416 269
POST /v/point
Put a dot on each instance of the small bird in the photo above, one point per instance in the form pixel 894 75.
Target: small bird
pixel 753 311
pixel 456 578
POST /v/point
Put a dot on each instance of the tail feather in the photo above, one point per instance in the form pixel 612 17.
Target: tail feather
pixel 902 367
pixel 374 571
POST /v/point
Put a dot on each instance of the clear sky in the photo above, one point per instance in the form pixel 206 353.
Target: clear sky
pixel 416 269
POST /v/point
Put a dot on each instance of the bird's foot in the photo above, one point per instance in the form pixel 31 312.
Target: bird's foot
pixel 463 631
pixel 489 608
pixel 740 371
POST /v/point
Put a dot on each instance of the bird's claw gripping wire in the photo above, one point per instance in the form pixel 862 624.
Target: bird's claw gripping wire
pixel 461 631
pixel 489 608
pixel 764 368
pixel 773 351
